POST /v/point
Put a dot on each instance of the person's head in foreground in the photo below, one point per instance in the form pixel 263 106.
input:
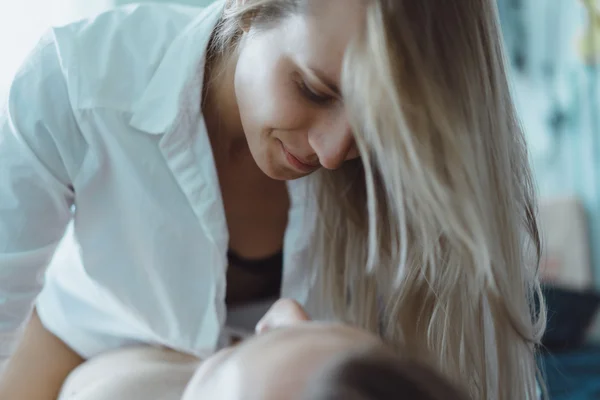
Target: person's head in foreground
pixel 400 112
pixel 290 358
pixel 316 361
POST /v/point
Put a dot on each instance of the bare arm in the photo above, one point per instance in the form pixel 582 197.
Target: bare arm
pixel 39 366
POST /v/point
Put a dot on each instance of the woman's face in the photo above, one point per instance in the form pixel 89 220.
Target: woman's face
pixel 287 88
pixel 274 365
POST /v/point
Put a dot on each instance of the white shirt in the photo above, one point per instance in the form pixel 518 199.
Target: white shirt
pixel 103 128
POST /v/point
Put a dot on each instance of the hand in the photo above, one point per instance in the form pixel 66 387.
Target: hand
pixel 283 313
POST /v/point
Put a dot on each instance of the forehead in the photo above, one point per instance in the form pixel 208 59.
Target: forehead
pixel 256 367
pixel 320 35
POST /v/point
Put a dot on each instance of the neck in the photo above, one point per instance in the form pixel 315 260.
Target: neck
pixel 221 112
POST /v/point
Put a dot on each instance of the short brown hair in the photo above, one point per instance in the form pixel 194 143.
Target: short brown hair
pixel 378 374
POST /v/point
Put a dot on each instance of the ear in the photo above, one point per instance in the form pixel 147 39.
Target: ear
pixel 245 24
pixel 246 21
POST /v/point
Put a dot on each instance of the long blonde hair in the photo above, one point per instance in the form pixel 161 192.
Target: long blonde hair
pixel 430 240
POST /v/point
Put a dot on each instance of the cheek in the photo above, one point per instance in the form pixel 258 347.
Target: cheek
pixel 267 96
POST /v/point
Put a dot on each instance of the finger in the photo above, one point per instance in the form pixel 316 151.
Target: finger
pixel 283 313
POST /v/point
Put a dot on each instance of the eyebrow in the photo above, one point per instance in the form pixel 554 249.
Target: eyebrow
pixel 322 76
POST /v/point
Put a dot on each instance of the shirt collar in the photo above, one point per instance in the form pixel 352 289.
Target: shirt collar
pixel 160 104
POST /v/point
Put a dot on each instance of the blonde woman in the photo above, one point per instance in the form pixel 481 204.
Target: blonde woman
pixel 362 157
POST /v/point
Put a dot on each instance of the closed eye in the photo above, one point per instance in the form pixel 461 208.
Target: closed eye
pixel 312 95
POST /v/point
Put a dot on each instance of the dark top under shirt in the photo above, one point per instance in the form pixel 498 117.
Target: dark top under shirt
pixel 268 270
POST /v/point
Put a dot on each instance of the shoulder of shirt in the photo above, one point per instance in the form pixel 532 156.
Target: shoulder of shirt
pixel 109 59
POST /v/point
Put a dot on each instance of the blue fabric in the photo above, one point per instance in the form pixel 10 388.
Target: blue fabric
pixel 570 314
pixel 573 375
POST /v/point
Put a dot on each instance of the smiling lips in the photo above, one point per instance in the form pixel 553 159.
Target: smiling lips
pixel 297 163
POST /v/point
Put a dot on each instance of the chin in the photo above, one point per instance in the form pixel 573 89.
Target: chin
pixel 276 168
pixel 271 161
pixel 281 173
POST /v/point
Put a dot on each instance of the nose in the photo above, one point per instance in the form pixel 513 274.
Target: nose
pixel 333 143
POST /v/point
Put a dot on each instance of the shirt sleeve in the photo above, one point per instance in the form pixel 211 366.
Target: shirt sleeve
pixel 41 150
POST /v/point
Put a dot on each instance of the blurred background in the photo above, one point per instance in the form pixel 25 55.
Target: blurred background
pixel 553 48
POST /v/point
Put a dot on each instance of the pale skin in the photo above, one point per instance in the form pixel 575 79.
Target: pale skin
pixel 286 341
pixel 274 114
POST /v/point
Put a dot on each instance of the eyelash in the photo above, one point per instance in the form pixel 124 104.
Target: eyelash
pixel 310 95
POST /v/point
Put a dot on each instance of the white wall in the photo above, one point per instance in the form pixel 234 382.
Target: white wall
pixel 566 157
pixel 189 2
pixel 22 22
